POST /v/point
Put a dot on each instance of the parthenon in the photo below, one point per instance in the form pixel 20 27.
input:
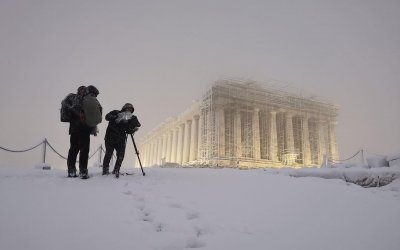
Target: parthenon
pixel 239 123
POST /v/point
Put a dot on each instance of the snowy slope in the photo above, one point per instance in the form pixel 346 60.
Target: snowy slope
pixel 174 208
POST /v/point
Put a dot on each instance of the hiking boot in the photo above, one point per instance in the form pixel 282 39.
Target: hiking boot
pixel 72 174
pixel 106 172
pixel 116 171
pixel 84 175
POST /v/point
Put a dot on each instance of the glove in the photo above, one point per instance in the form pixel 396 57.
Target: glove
pixel 132 131
pixel 124 117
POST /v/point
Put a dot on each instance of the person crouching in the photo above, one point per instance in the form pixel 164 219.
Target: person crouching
pixel 120 123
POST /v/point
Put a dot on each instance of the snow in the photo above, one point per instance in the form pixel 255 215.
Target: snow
pixel 394 160
pixel 393 157
pixel 184 208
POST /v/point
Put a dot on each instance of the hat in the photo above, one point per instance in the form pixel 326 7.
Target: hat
pixel 82 88
pixel 128 106
pixel 92 90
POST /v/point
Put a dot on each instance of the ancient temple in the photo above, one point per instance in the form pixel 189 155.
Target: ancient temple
pixel 240 123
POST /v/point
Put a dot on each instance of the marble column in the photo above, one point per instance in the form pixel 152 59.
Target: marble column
pixel 164 148
pixel 256 134
pixel 144 154
pixel 321 141
pixel 334 154
pixel 194 139
pixel 169 146
pixel 154 153
pixel 148 163
pixel 174 149
pixel 306 141
pixel 179 154
pixel 159 151
pixel 289 133
pixel 221 131
pixel 238 133
pixel 199 140
pixel 273 138
pixel 186 142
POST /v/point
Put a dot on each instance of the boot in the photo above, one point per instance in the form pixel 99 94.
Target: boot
pixel 72 174
pixel 105 171
pixel 84 174
pixel 116 171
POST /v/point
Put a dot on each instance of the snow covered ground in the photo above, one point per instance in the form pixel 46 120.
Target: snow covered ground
pixel 181 208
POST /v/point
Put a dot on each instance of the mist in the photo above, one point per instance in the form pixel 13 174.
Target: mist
pixel 162 55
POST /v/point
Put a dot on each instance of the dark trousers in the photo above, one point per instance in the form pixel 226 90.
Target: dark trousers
pixel 79 143
pixel 117 145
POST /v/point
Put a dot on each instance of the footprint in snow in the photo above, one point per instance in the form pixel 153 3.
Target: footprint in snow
pixel 140 207
pixel 139 198
pixel 194 243
pixel 160 227
pixel 175 205
pixel 192 216
pixel 127 192
pixel 147 217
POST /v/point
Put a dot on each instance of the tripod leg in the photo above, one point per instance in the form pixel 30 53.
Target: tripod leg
pixel 137 153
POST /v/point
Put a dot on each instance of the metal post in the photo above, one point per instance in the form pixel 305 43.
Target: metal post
pixel 44 150
pixel 362 157
pixel 100 152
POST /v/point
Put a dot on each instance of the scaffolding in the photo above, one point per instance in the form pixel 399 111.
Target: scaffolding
pixel 237 128
pixel 242 123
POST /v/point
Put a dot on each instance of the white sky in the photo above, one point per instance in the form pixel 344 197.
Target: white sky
pixel 161 55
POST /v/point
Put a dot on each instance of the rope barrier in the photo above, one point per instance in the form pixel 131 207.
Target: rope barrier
pixel 22 151
pixel 347 158
pixel 55 151
pixel 103 150
pixel 51 147
pixel 94 153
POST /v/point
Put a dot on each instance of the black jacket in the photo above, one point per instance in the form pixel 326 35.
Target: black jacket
pixel 118 131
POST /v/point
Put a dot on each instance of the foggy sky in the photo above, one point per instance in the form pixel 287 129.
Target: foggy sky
pixel 162 55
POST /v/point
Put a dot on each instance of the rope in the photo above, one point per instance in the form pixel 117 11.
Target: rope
pixel 52 148
pixel 94 153
pixel 347 158
pixel 21 151
pixel 55 151
pixel 65 158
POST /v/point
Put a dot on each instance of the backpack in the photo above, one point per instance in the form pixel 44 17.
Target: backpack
pixel 66 104
pixel 91 111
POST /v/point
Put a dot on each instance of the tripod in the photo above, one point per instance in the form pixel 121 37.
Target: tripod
pixel 137 153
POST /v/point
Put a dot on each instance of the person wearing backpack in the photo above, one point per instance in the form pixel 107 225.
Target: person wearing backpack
pixel 79 131
pixel 120 123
